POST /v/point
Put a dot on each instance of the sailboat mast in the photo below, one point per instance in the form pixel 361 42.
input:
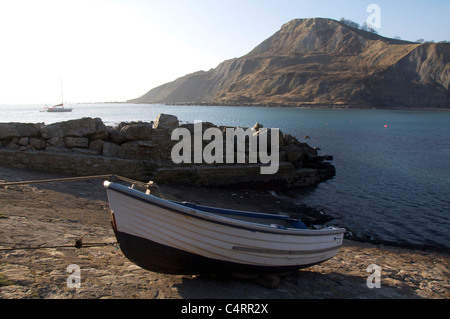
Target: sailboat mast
pixel 62 96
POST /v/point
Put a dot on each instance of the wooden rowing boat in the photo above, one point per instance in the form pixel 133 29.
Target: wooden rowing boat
pixel 184 238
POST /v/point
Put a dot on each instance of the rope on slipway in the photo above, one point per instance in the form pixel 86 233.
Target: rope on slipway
pixel 70 179
pixel 78 242
pixel 111 177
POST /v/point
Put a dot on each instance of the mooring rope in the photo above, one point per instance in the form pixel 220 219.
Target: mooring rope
pixel 149 186
pixel 78 243
pixel 112 177
pixel 67 179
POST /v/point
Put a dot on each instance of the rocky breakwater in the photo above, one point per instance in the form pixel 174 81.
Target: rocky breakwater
pixel 143 151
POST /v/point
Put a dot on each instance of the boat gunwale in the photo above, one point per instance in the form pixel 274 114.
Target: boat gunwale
pixel 218 219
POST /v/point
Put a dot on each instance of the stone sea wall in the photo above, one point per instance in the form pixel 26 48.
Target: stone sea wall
pixel 142 151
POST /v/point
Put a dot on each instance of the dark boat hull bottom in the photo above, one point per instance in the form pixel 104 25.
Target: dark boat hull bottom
pixel 164 259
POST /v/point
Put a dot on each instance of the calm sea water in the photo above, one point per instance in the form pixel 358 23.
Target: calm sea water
pixel 393 167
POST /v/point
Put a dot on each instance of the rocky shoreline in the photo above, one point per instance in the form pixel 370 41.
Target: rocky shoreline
pixel 143 151
pixel 41 225
pixel 303 105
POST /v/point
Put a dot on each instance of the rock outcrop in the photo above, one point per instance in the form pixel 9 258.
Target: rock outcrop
pixel 143 151
pixel 321 62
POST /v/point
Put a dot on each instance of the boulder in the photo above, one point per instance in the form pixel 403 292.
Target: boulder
pixel 141 150
pixel 10 130
pixel 113 150
pixel 72 142
pixel 12 146
pixel 289 139
pixel 137 131
pixel 293 153
pixel 78 128
pixel 56 142
pixel 37 143
pixel 101 135
pixel 96 145
pixel 166 122
pixel 24 141
pixel 115 135
pixel 308 150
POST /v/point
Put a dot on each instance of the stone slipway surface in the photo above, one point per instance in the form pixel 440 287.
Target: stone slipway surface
pixel 55 215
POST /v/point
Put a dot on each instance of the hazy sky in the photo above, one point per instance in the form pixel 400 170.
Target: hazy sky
pixel 114 50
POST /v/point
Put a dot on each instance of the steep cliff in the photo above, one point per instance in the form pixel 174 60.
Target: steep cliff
pixel 321 62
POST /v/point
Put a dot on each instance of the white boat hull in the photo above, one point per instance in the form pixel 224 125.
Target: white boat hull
pixel 169 237
pixel 58 110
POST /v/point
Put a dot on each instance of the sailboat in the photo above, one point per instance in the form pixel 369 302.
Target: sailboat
pixel 58 107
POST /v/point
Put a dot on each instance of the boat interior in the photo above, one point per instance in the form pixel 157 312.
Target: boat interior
pixel 277 221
